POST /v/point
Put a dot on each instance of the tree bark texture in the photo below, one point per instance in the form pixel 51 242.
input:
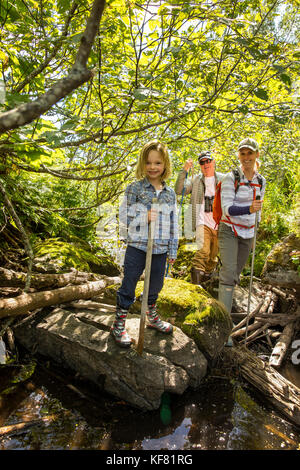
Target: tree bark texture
pixel 25 303
pixel 282 345
pixel 282 393
pixel 39 281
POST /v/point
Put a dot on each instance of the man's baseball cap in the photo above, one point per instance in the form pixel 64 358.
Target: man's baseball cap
pixel 249 144
pixel 205 156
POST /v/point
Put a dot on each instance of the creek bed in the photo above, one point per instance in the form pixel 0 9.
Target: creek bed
pixel 224 413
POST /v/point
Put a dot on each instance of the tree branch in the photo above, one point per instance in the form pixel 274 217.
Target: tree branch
pixel 57 45
pixel 78 75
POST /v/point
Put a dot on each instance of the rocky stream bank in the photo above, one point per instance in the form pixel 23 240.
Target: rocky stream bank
pixel 75 332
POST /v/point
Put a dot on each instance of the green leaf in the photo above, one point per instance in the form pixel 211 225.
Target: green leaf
pixel 243 108
pixel 51 137
pixel 70 124
pixel 15 99
pixel 261 94
pixel 278 67
pixel 285 78
pixel 63 5
pixel 75 38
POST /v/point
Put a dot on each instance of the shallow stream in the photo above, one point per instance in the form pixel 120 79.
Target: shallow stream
pixel 71 414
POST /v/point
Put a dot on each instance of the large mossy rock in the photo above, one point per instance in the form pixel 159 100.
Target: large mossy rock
pixel 80 339
pixel 198 314
pixel 56 256
pixel 192 309
pixel 282 264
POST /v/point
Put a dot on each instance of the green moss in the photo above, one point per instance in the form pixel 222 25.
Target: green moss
pixel 67 255
pixel 182 266
pixel 212 313
pixel 209 328
pixel 244 281
pixel 182 300
pixel 178 298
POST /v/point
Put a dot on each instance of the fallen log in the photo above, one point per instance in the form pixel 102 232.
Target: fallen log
pixel 275 334
pixel 277 319
pixel 282 345
pixel 24 303
pixel 282 393
pixel 10 278
pixel 20 427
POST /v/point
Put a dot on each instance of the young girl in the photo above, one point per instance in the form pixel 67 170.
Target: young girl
pixel 153 168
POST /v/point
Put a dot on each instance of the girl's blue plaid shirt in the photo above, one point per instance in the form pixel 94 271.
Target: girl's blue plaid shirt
pixel 133 215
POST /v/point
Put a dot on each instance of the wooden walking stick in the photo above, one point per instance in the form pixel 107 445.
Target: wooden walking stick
pixel 144 308
pixel 252 268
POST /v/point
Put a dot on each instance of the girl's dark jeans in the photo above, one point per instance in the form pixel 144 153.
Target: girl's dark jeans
pixel 134 264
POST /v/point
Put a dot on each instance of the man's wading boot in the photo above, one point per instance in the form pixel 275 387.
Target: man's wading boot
pixel 225 296
pixel 156 323
pixel 118 331
pixel 197 276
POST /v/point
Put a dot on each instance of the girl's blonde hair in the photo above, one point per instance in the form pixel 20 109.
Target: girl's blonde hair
pixel 140 172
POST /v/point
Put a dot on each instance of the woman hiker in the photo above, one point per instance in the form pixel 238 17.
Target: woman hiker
pixel 236 229
pixel 202 187
pixel 153 169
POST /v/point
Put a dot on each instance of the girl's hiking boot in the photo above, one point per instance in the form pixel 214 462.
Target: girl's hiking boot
pixel 118 331
pixel 156 323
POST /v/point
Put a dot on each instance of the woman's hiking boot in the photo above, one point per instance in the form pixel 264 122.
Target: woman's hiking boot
pixel 118 331
pixel 156 322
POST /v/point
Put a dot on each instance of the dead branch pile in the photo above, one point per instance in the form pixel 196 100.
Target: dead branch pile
pixel 263 323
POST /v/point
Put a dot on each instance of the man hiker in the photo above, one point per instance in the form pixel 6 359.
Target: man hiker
pixel 202 189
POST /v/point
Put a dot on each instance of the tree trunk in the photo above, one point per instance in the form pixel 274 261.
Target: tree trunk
pixel 10 278
pixel 24 303
pixel 284 395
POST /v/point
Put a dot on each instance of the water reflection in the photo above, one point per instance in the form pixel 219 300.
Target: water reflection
pixel 174 441
pixel 221 414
